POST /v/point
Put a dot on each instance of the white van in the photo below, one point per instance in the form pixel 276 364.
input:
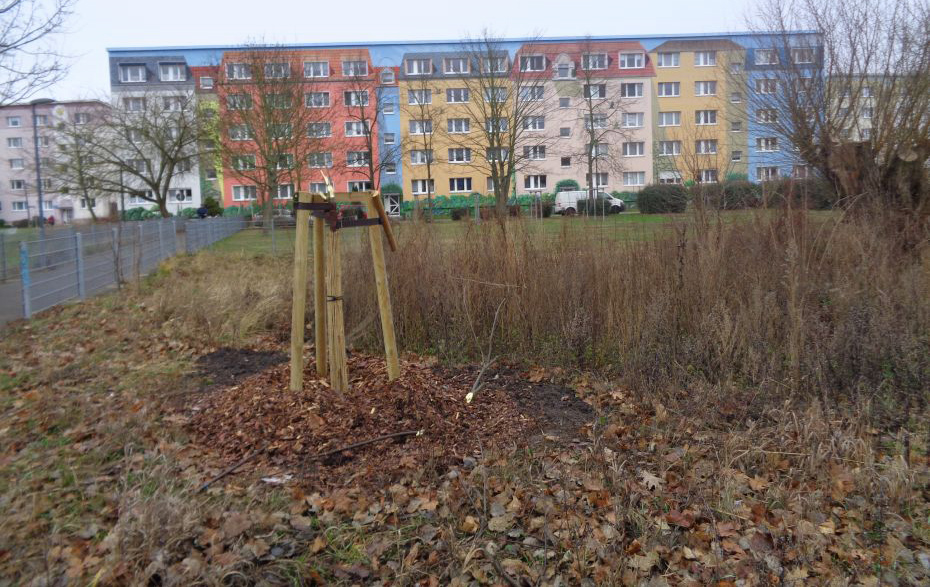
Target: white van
pixel 567 202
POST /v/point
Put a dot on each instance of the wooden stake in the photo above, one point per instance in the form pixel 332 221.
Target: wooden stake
pixel 298 312
pixel 319 295
pixel 338 374
pixel 384 295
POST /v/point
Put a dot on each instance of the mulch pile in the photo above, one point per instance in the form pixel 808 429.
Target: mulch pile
pixel 296 429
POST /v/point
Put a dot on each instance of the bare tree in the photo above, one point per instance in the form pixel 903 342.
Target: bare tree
pixel 268 123
pixel 851 100
pixel 365 107
pixel 505 111
pixel 426 117
pixel 145 142
pixel 29 59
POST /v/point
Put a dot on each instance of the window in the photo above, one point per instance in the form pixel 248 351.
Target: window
pixel 41 120
pixel 93 202
pixel 280 130
pixel 736 126
pixel 172 72
pixel 705 58
pixel 243 162
pixel 355 68
pixel 766 86
pixel 532 93
pixel 705 147
pixel 535 153
pixel 317 99
pixel 631 90
pixel 387 76
pixel 210 173
pixel 356 98
pixel 705 88
pixel 206 82
pixel 867 112
pixel 278 70
pixel 173 103
pixel 237 132
pixel 285 191
pixel 318 187
pixel 736 156
pixel 423 186
pixel 459 155
pixel 708 176
pixel 239 101
pixel 705 116
pixel 14 121
pixel 532 63
pixel 387 107
pixel 495 94
pixel 140 165
pixel 131 74
pixel 866 134
pixel 866 92
pixel 595 120
pixel 565 131
pixel 564 71
pixel 457 95
pixel 801 171
pixel 495 65
pixel 534 123
pixel 316 68
pixel 359 186
pixel 565 102
pixel 356 129
pixel 459 125
pixel 419 97
pixel 357 158
pixel 802 55
pixel 419 67
pixel 591 61
pixel 134 104
pixel 242 193
pixel 595 90
pixel 534 182
pixel 669 89
pixel 633 119
pixel 19 206
pixel 669 59
pixel 670 148
pixel 455 65
pixel 421 156
pixel 600 179
pixel 766 115
pixel 669 118
pixel 389 138
pixel 180 195
pixel 497 154
pixel 238 71
pixel 766 173
pixel 767 144
pixel 566 161
pixel 766 57
pixel 316 130
pixel 736 67
pixel 599 150
pixel 631 60
pixel 636 149
pixel 736 97
pixel 459 184
pixel 320 159
pixel 14 142
pixel 16 164
pixel 490 184
pixel 421 127
pixel 389 167
pixel 634 178
pixel 496 125
pixel 17 184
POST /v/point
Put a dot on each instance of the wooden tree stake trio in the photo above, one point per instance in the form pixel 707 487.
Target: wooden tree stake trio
pixel 329 327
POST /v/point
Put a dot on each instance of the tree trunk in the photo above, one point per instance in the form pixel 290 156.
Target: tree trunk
pixel 163 207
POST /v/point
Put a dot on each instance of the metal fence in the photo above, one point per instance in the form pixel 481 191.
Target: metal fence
pixel 76 265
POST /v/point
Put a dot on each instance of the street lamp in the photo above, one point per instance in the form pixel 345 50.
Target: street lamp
pixel 35 140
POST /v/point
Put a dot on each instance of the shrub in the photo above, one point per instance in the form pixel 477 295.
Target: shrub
pixel 662 198
pixel 213 206
pixel 739 194
pixel 459 213
pixel 391 188
pixel 598 206
pixel 813 194
pixel 2 223
pixel 21 223
pixel 547 209
pixel 566 185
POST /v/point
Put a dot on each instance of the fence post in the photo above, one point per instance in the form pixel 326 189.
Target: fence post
pixel 138 252
pixel 161 240
pixel 24 277
pixel 79 264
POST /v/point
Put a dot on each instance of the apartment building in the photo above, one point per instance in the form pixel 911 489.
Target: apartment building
pixel 20 136
pixel 669 108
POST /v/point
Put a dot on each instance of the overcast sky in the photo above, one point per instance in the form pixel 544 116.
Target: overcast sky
pixel 99 24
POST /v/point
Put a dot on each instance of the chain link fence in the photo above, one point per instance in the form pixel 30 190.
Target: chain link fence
pixel 74 265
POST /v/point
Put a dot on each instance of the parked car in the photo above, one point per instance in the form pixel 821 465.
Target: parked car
pixel 566 203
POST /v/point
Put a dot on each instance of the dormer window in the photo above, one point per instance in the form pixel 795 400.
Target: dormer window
pixel 387 76
pixel 277 70
pixel 355 68
pixel 564 71
pixel 802 55
pixel 455 65
pixel 532 63
pixel 495 65
pixel 131 74
pixel 631 60
pixel 172 72
pixel 592 61
pixel 419 67
pixel 766 57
